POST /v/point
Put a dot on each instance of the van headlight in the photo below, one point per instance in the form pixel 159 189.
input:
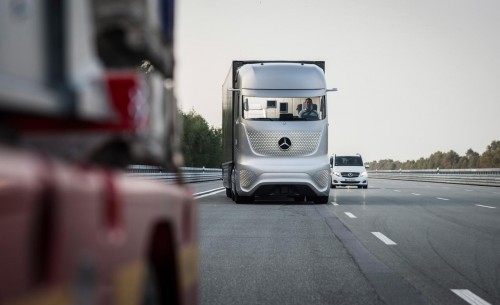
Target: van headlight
pixel 336 174
pixel 363 174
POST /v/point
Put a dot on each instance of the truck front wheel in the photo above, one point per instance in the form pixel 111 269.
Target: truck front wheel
pixel 241 199
pixel 320 199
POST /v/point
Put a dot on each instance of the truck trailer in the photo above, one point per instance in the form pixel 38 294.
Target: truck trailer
pixel 270 148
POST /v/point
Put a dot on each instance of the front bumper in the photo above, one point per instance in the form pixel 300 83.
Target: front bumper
pixel 342 181
pixel 253 182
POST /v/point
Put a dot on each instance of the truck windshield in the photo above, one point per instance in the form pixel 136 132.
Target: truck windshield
pixel 284 108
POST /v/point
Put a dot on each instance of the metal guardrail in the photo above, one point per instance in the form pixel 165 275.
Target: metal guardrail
pixel 189 174
pixel 483 176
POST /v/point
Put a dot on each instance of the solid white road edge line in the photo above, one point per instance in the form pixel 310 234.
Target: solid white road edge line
pixel 209 191
pixel 469 297
pixel 384 238
pixel 350 215
pixel 442 198
pixel 209 194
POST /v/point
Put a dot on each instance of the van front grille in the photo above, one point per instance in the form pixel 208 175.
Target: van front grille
pixel 303 143
pixel 350 174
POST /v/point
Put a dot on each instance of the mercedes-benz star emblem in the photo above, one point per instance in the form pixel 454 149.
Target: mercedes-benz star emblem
pixel 284 143
pixel 350 175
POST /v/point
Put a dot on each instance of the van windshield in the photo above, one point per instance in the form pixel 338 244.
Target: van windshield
pixel 348 161
pixel 284 108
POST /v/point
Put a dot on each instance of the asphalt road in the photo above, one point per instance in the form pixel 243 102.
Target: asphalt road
pixel 397 242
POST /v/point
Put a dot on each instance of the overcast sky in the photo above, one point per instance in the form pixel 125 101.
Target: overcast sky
pixel 414 77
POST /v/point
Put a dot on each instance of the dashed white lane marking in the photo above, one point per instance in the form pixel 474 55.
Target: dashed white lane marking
pixel 496 193
pixel 397 191
pixel 442 198
pixel 384 238
pixel 470 297
pixel 415 194
pixel 209 194
pixel 351 215
pixel 485 206
pixel 467 190
pixel 334 203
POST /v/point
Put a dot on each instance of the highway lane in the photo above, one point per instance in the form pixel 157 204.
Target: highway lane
pixel 445 238
pixel 446 247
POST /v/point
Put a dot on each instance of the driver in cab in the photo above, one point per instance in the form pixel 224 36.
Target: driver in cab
pixel 308 112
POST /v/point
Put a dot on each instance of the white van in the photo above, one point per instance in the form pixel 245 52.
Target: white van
pixel 348 170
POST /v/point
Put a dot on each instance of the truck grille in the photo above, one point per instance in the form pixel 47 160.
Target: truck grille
pixel 266 143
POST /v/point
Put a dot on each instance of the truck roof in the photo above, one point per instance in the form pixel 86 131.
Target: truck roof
pixel 281 76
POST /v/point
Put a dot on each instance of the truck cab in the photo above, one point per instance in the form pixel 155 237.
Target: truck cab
pixel 278 152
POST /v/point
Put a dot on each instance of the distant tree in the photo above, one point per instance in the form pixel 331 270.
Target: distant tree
pixel 201 145
pixel 421 163
pixel 450 160
pixel 462 162
pixel 472 159
pixel 491 157
pixel 409 164
pixel 387 164
pixel 435 160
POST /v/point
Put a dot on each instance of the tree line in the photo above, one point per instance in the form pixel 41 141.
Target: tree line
pixel 202 146
pixel 490 158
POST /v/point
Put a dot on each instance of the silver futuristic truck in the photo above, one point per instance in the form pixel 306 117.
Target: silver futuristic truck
pixel 275 131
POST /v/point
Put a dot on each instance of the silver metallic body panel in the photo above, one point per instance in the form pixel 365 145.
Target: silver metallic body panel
pixel 281 76
pixel 255 158
pixel 263 162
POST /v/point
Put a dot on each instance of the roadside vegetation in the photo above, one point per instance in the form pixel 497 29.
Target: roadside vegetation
pixel 201 143
pixel 490 158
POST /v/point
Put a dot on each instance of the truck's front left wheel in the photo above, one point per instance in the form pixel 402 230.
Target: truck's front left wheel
pixel 241 199
pixel 320 199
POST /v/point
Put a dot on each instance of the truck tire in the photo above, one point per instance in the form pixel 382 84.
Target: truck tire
pixel 299 199
pixel 162 271
pixel 320 199
pixel 229 194
pixel 241 199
